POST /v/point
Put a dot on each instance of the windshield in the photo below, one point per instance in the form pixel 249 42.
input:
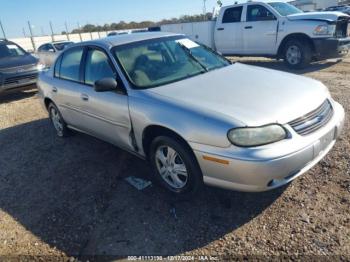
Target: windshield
pixel 157 62
pixel 11 50
pixel 285 9
pixel 61 46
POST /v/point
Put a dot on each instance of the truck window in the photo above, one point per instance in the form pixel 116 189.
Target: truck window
pixel 232 15
pixel 259 13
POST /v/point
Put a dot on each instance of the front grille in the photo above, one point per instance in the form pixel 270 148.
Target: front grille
pixel 25 68
pixel 314 120
pixel 341 29
pixel 20 79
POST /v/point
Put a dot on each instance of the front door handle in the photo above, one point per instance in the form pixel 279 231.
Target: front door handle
pixel 54 90
pixel 248 27
pixel 84 97
pixel 221 29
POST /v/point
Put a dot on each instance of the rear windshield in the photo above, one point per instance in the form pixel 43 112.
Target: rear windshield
pixel 11 50
pixel 61 46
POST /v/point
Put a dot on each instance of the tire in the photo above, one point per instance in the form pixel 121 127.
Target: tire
pixel 57 121
pixel 184 159
pixel 297 54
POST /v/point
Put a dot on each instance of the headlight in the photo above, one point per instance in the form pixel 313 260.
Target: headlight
pixel 324 30
pixel 40 67
pixel 257 136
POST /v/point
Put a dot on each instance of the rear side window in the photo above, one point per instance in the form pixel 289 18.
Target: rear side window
pixel 259 13
pixel 232 15
pixel 70 65
pixel 97 67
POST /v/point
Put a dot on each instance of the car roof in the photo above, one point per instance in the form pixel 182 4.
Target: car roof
pixel 126 39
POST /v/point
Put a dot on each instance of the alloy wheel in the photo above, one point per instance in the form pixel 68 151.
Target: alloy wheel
pixel 293 55
pixel 171 167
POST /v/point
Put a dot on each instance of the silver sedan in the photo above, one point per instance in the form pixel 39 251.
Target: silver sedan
pixel 192 114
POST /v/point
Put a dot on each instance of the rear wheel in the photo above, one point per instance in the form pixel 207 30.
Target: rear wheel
pixel 175 166
pixel 57 121
pixel 297 54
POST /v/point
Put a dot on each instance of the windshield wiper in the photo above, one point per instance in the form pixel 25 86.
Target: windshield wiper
pixel 189 52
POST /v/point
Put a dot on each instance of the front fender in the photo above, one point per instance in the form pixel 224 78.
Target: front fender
pixel 193 125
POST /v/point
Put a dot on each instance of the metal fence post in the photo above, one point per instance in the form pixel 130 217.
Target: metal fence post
pixel 52 34
pixel 2 29
pixel 81 39
pixel 67 33
pixel 31 35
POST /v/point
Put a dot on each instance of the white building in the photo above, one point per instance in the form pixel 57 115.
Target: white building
pixel 310 5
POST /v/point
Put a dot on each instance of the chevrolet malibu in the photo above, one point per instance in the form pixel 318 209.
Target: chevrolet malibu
pixel 197 118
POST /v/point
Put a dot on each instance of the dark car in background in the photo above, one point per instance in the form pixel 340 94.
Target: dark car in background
pixel 18 68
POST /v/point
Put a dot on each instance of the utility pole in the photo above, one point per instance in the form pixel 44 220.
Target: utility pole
pixel 31 35
pixel 67 33
pixel 2 29
pixel 52 34
pixel 204 7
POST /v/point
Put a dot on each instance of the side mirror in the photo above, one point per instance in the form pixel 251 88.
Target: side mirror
pixel 105 84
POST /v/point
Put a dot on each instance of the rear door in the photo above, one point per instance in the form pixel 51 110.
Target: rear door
pixel 68 86
pixel 228 31
pixel 260 30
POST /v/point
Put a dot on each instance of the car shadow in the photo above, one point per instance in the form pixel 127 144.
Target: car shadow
pixel 71 194
pixel 279 65
pixel 15 95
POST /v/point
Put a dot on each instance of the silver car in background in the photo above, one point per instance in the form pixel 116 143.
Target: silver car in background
pixel 192 114
pixel 48 52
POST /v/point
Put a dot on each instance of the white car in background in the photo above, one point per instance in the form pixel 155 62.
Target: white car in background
pixel 48 52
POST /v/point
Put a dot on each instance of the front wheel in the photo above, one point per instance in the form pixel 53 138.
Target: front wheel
pixel 297 54
pixel 175 166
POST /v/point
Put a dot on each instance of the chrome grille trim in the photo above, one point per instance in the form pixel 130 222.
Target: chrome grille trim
pixel 24 68
pixel 16 79
pixel 314 120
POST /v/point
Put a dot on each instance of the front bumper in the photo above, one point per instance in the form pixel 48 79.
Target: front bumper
pixel 331 47
pixel 268 167
pixel 18 80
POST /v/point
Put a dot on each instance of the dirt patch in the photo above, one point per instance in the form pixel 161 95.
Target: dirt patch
pixel 67 198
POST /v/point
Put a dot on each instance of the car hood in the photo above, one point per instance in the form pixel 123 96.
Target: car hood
pixel 18 61
pixel 326 16
pixel 252 95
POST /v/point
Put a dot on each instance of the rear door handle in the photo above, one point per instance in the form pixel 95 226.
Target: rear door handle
pixel 248 27
pixel 221 29
pixel 84 97
pixel 54 90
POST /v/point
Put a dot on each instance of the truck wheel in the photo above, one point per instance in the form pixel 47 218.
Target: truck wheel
pixel 297 54
pixel 175 166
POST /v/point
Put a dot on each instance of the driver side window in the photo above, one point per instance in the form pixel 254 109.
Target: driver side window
pixel 259 13
pixel 97 67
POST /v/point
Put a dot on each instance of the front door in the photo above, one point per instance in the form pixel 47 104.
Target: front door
pixel 106 114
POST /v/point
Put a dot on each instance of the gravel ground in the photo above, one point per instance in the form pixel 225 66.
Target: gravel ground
pixel 68 198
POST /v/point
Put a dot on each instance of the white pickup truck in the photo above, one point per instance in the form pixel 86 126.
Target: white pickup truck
pixel 274 29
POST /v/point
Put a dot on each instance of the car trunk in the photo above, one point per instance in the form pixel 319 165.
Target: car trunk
pixel 342 29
